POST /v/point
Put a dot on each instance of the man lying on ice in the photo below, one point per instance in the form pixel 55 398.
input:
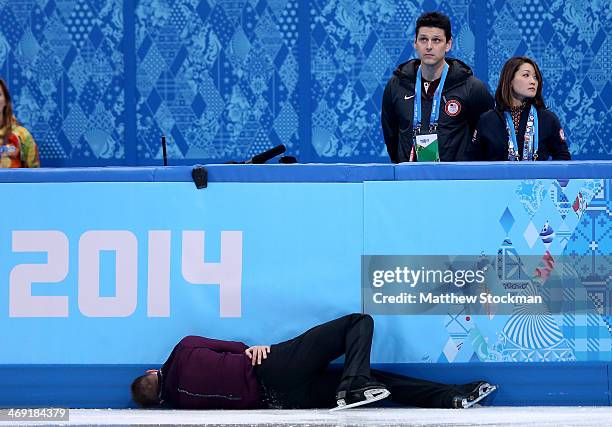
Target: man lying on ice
pixel 203 373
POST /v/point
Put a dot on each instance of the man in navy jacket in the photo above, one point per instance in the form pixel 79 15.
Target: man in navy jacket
pixel 460 101
pixel 203 373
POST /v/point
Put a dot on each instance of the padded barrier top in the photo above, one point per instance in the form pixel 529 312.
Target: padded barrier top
pixel 216 173
pixel 504 170
pixel 320 172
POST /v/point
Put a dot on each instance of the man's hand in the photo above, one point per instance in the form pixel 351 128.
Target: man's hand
pixel 257 352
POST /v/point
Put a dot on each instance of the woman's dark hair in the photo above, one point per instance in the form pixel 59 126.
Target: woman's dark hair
pixel 435 20
pixel 7 112
pixel 503 94
pixel 144 391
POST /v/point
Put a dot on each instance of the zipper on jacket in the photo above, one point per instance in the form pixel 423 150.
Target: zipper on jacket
pixel 230 397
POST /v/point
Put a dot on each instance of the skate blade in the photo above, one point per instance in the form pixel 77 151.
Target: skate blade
pixel 372 396
pixel 490 389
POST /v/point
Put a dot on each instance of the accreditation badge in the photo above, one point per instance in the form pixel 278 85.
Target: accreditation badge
pixel 427 148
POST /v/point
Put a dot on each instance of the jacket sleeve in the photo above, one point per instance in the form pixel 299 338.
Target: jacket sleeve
pixel 29 149
pixel 170 358
pixel 390 125
pixel 477 146
pixel 557 145
pixel 480 101
pixel 219 346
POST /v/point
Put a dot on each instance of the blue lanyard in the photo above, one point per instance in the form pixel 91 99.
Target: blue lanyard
pixel 435 106
pixel 8 148
pixel 530 145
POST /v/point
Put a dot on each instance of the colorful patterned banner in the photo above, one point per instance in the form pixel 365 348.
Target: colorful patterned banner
pixel 554 219
pixel 99 81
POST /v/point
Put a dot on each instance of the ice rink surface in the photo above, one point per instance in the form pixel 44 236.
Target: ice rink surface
pixel 491 416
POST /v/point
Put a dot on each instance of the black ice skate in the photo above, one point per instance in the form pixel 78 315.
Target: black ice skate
pixel 365 394
pixel 475 393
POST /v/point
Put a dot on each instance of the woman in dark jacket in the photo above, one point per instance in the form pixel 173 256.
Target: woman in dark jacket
pixel 520 127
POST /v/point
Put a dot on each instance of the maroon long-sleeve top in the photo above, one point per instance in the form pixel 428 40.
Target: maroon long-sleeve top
pixel 203 373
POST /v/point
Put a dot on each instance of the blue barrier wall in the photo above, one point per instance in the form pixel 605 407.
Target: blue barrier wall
pixel 109 274
pixel 98 82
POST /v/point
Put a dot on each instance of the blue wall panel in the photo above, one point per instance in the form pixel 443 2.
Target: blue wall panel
pixel 520 384
pixel 283 273
pixel 439 218
pixel 304 229
pixel 302 243
pixel 98 82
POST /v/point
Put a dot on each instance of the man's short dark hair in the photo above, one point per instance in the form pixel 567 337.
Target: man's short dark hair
pixel 144 391
pixel 435 20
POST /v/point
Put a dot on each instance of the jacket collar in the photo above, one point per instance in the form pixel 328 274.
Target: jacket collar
pixel 458 73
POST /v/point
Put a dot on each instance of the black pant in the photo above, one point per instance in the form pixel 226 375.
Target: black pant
pixel 296 374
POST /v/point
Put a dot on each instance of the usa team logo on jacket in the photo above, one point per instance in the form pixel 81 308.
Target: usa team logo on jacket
pixel 452 107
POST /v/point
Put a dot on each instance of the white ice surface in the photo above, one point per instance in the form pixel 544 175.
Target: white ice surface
pixel 484 416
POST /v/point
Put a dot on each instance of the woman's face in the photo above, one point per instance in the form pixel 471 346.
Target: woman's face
pixel 524 84
pixel 2 100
